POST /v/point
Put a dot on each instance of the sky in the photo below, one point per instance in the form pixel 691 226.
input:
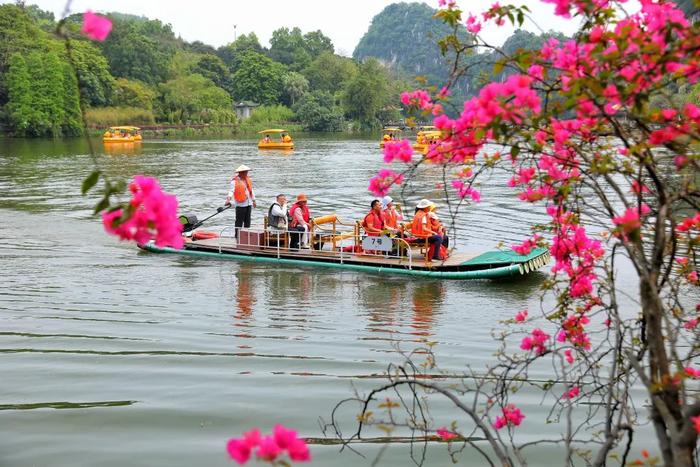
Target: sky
pixel 215 22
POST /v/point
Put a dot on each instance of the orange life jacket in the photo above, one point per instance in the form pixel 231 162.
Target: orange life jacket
pixel 420 225
pixel 239 193
pixel 304 214
pixel 372 219
pixel 435 224
pixel 391 218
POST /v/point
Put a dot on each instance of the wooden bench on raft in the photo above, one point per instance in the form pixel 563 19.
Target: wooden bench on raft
pixel 274 238
pixel 324 229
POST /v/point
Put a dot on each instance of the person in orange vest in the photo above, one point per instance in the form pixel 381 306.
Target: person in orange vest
pixel 436 225
pixel 421 227
pixel 373 223
pixel 243 197
pixel 299 222
pixel 392 216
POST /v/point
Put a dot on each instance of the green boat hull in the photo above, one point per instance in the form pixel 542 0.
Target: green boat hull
pixel 498 265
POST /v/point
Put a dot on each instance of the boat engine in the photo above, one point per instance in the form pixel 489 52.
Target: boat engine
pixel 189 222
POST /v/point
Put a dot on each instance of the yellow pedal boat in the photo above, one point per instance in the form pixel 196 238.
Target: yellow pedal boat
pixel 389 133
pixel 122 134
pixel 426 138
pixel 284 142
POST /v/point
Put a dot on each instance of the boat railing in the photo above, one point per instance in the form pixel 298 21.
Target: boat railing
pixel 343 246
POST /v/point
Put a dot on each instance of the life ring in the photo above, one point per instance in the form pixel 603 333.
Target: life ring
pixel 203 235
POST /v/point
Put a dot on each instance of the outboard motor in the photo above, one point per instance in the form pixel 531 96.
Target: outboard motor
pixel 189 222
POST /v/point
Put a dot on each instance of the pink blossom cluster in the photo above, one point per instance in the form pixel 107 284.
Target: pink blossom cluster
pixel 526 247
pixel 268 448
pixel 512 416
pixel 568 355
pixel 571 393
pixel 536 341
pixel 691 324
pixel 690 223
pixel 445 434
pixel 573 331
pixel 463 190
pixel 96 27
pixel 629 223
pixel 154 216
pixel 521 316
pixel 385 179
pixel 691 372
pixel 401 150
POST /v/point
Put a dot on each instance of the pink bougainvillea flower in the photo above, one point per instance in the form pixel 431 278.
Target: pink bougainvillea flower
pixel 284 437
pixel 521 316
pixel 268 450
pixel 691 324
pixel 154 217
pixel 401 150
pixel 569 357
pixel 299 451
pixel 536 341
pixel 239 450
pixel 572 393
pixel 511 416
pixel 445 434
pixel 95 26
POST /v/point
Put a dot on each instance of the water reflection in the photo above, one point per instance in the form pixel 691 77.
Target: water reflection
pixel 427 297
pixel 245 296
pixel 128 149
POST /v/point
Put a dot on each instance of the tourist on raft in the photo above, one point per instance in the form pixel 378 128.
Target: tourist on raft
pixel 392 216
pixel 373 223
pixel 243 197
pixel 299 223
pixel 436 225
pixel 421 227
pixel 277 214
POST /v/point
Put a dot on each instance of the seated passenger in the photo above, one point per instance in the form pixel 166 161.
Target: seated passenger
pixel 373 223
pixel 299 223
pixel 392 216
pixel 277 214
pixel 436 225
pixel 286 138
pixel 266 139
pixel 386 137
pixel 421 227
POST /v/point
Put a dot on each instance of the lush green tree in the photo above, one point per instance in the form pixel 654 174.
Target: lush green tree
pixel 128 93
pixel 329 72
pixel 96 82
pixel 139 49
pixel 200 48
pixel 43 96
pixel 193 98
pixel 18 34
pixel 244 42
pixel 316 43
pixel 212 67
pixel 367 94
pixel 19 109
pixel 294 85
pixel 317 112
pixel 44 19
pixel 288 47
pixel 257 78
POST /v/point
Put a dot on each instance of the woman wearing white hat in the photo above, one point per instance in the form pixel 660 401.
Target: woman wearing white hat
pixel 421 227
pixel 392 216
pixel 243 197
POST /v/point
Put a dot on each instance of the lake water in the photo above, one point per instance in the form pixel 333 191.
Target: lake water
pixel 111 356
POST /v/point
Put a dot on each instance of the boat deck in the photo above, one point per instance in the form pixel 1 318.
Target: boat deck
pixel 417 260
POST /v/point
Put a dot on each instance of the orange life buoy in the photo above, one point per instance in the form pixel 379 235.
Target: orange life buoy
pixel 203 235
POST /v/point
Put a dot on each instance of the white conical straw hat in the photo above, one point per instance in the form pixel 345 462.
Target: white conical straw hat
pixel 242 168
pixel 424 203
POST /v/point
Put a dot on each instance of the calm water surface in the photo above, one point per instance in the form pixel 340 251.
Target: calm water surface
pixel 110 356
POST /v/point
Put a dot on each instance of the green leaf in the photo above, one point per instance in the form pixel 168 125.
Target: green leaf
pixel 90 181
pixel 102 205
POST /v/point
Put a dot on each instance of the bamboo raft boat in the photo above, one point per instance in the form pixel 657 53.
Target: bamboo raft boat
pixel 330 249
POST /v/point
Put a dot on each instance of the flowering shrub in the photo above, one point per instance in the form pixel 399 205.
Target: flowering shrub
pixel 269 448
pixel 151 214
pixel 589 129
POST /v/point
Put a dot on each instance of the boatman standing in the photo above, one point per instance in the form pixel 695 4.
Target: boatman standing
pixel 243 197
